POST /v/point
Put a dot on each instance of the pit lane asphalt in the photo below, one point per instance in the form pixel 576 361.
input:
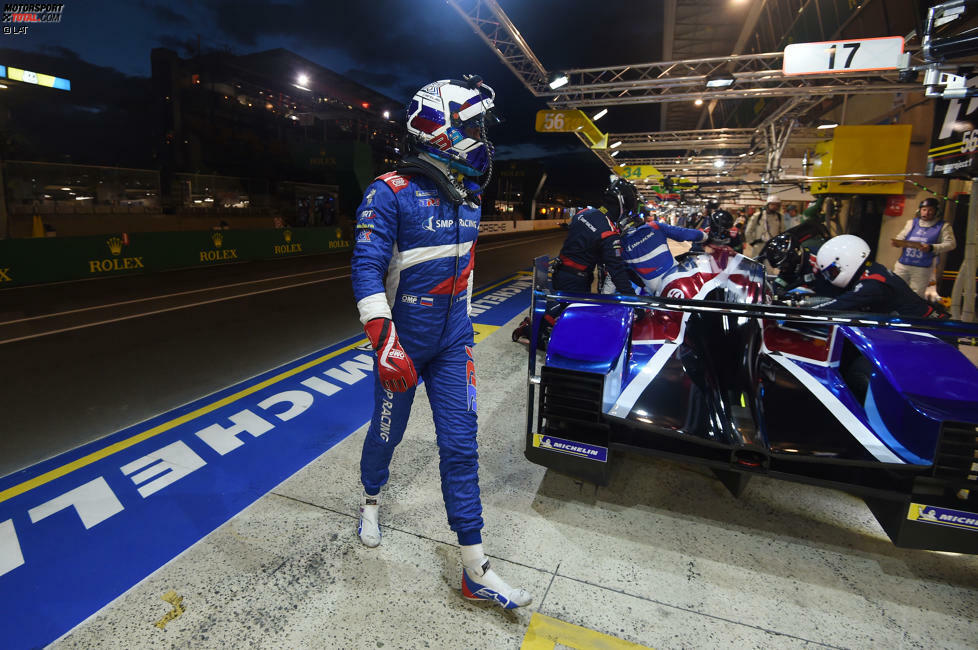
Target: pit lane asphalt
pixel 84 359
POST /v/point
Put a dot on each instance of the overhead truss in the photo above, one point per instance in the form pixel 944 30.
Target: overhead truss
pixel 754 75
pixel 734 139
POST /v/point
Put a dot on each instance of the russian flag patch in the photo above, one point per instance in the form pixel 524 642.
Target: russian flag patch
pixel 426 302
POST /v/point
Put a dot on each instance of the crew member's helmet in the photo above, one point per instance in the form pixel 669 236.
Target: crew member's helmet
pixel 840 258
pixel 447 119
pixel 712 206
pixel 930 202
pixel 621 200
pixel 721 222
pixel 784 252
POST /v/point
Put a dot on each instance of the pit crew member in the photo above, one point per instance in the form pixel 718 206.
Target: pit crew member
pixel 923 238
pixel 867 286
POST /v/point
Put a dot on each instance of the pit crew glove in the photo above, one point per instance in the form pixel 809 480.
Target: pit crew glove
pixel 394 366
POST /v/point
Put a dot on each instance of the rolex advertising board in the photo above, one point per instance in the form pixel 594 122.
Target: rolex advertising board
pixel 954 138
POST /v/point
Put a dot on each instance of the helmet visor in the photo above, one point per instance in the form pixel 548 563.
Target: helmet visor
pixel 832 271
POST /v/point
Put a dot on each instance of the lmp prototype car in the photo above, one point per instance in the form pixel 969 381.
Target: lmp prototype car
pixel 710 372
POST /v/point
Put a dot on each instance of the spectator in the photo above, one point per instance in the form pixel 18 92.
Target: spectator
pixel 791 217
pixel 762 226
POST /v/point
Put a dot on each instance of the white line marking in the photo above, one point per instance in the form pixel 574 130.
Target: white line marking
pixel 178 307
pixel 168 295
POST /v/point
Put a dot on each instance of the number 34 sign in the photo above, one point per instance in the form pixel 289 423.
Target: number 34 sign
pixel 843 56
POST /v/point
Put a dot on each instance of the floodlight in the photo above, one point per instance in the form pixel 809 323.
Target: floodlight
pixel 558 80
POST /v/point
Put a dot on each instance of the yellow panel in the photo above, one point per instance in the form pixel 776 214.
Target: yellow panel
pixel 571 121
pixel 544 633
pixel 45 80
pixel 15 73
pixel 822 166
pixel 865 150
pixel 638 172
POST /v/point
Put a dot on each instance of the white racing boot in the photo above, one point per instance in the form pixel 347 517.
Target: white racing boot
pixel 369 528
pixel 480 582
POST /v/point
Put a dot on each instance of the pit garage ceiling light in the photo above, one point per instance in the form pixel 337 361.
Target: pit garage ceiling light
pixel 718 163
pixel 597 116
pixel 719 81
pixel 558 80
pixel 615 153
pixel 698 102
pixel 827 125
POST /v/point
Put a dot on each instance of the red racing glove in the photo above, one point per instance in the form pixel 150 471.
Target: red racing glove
pixel 394 366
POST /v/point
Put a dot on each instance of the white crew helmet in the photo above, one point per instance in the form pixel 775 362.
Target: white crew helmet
pixel 840 258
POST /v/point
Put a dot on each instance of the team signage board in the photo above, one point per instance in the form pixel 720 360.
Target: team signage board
pixel 828 57
pixel 571 121
pixel 954 138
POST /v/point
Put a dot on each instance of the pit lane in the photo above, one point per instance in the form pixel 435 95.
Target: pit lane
pixel 663 556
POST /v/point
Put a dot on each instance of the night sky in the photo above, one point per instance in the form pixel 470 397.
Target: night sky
pixel 393 46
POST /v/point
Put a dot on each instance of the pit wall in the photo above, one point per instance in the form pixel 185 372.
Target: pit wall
pixel 57 259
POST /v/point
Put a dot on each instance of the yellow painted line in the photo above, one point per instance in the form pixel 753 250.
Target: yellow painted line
pixel 482 331
pixel 499 284
pixel 544 633
pixel 946 148
pixel 95 456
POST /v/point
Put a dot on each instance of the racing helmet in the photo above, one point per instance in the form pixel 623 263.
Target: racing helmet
pixel 621 199
pixel 784 252
pixel 712 206
pixel 840 258
pixel 721 222
pixel 447 119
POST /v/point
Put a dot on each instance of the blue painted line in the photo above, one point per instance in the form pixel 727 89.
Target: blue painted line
pixel 80 529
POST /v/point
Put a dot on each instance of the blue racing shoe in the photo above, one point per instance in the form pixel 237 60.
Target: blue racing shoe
pixel 482 583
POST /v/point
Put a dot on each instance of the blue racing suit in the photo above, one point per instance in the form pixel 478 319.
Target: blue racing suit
pixel 409 231
pixel 647 251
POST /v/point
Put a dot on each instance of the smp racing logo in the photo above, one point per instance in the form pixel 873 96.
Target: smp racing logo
pixel 117 262
pixel 218 255
pixel 17 16
pixel 288 246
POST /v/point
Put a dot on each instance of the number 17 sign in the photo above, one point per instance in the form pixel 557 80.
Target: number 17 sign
pixel 843 56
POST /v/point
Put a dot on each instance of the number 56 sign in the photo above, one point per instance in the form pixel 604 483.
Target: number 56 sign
pixel 843 56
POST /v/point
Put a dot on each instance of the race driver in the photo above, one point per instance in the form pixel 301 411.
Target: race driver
pixel 412 279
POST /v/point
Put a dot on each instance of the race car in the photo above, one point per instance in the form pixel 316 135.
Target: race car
pixel 711 372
